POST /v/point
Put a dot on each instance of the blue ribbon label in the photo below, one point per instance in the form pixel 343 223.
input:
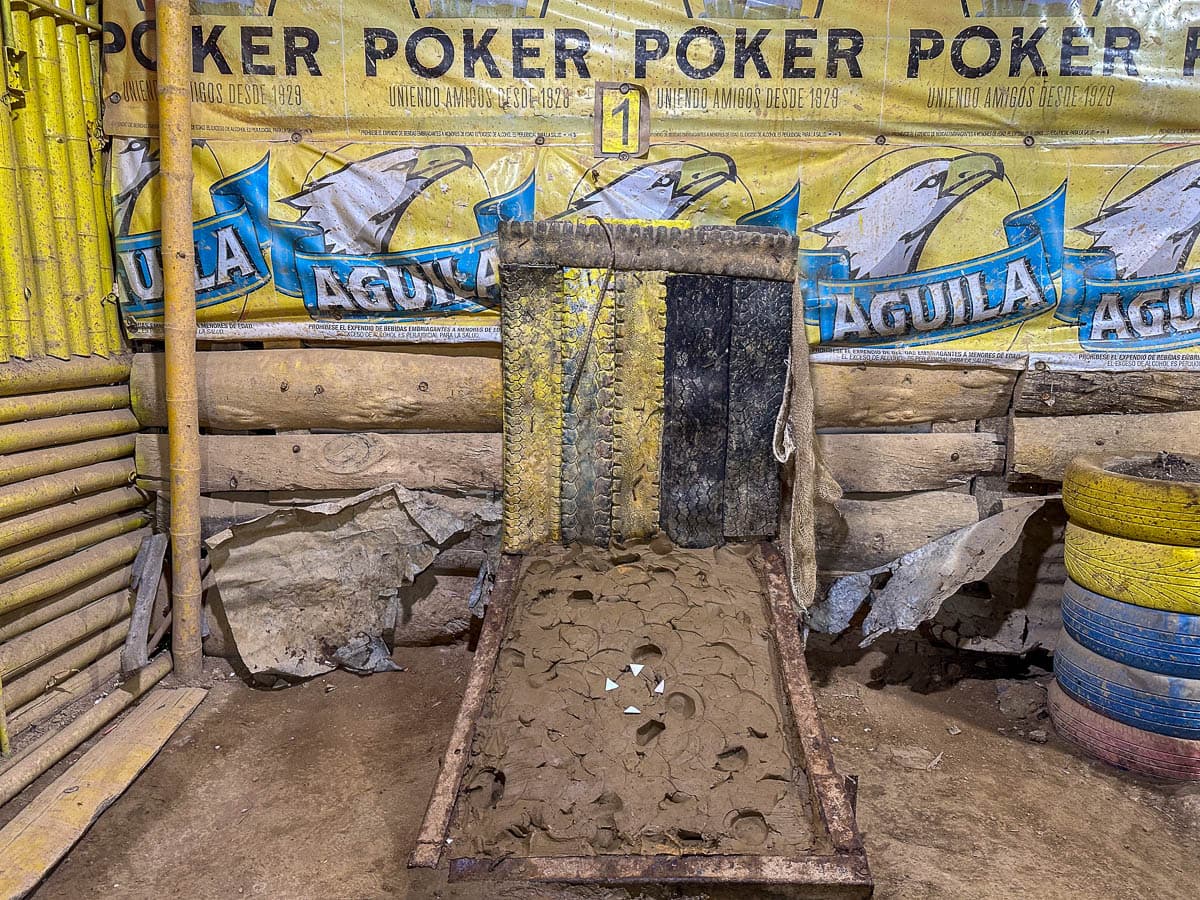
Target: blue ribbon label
pixel 866 288
pixel 1132 290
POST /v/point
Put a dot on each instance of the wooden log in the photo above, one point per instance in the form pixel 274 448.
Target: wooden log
pixel 1041 448
pixel 37 681
pixel 862 534
pixel 21 377
pixel 320 462
pixel 34 463
pixel 866 396
pixel 100 674
pixel 39 645
pixel 62 403
pixel 892 463
pixel 364 390
pixel 347 389
pixel 1043 391
pixel 65 430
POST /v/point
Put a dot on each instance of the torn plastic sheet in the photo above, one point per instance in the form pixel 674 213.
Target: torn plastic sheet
pixel 910 590
pixel 305 585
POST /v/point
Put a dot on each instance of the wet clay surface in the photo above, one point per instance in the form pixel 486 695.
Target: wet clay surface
pixel 691 754
pixel 1164 467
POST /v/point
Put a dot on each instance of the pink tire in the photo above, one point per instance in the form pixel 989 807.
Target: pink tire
pixel 1123 745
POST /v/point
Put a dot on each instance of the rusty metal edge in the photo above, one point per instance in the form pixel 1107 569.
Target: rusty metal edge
pixel 832 793
pixel 843 875
pixel 431 840
pixel 706 250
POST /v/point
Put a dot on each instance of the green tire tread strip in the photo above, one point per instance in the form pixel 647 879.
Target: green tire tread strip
pixel 587 406
pixel 641 318
pixel 532 406
pixel 1158 576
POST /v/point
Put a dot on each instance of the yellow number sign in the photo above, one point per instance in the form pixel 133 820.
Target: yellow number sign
pixel 622 124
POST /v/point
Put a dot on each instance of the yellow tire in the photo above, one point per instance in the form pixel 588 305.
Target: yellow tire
pixel 1098 495
pixel 1159 576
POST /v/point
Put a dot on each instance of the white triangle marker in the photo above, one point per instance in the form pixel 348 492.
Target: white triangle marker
pixel 632 710
pixel 661 686
pixel 610 685
pixel 636 668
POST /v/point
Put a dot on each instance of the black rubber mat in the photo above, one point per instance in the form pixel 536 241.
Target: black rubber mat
pixel 696 408
pixel 758 352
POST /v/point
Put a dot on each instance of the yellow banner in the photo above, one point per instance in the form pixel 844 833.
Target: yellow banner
pixel 969 179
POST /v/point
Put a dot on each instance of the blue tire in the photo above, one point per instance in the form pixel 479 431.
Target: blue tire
pixel 1150 639
pixel 1163 704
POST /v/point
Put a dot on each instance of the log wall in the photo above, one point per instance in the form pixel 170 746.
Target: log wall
pixel 919 450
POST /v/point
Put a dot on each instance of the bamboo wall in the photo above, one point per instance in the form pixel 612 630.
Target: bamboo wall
pixel 56 269
pixel 71 519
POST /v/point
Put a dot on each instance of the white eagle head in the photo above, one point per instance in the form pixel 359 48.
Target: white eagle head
pixel 884 231
pixel 359 205
pixel 1152 231
pixel 136 163
pixel 657 190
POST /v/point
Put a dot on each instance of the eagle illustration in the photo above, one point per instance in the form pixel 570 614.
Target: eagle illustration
pixel 657 190
pixel 1152 231
pixel 884 231
pixel 136 163
pixel 359 206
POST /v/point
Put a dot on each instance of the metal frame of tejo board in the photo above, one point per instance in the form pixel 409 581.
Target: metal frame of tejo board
pixel 568 474
pixel 837 866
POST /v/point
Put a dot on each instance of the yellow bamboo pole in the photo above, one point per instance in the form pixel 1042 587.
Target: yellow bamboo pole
pixel 179 321
pixel 34 463
pixel 19 621
pixel 30 556
pixel 99 674
pixel 23 531
pixel 37 681
pixel 79 159
pixel 37 493
pixel 62 403
pixel 14 330
pixel 47 82
pixel 41 375
pixel 35 186
pixel 90 90
pixel 65 430
pixel 60 576
pixel 40 644
pixel 5 749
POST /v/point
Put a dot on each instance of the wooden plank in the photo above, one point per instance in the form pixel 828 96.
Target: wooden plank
pixel 42 833
pixel 356 390
pixel 1043 391
pixel 758 352
pixel 1042 447
pixel 862 534
pixel 318 462
pixel 868 396
pixel 891 463
pixel 696 408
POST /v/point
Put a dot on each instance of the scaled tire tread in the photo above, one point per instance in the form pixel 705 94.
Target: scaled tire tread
pixel 1159 703
pixel 1159 576
pixel 1141 509
pixel 1122 745
pixel 1150 639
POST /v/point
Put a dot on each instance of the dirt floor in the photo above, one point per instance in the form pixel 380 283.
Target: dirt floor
pixel 317 791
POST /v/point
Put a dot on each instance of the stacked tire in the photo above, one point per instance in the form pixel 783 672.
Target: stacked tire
pixel 1127 664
